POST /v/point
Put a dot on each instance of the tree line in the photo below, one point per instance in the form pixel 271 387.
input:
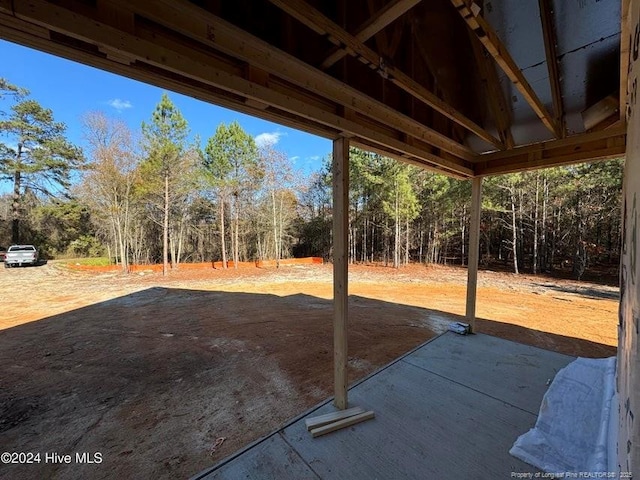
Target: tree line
pixel 563 217
pixel 153 196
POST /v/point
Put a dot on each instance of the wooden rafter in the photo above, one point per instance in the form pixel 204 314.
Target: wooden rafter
pixel 601 145
pixel 470 12
pixel 388 14
pixel 156 52
pixel 549 34
pixel 322 25
pixel 382 41
pixel 412 160
pixel 208 29
pixel 495 96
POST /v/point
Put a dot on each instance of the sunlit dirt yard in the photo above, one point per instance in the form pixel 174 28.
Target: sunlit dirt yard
pixel 163 377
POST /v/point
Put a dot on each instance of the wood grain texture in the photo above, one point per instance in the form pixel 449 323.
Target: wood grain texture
pixel 474 251
pixel 340 173
pixel 327 418
pixel 344 423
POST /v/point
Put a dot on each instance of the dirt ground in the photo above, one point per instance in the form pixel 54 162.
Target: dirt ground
pixel 152 372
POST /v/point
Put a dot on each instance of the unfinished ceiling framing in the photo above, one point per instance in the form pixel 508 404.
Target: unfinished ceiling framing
pixel 465 88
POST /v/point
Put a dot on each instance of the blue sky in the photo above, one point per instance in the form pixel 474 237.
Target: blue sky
pixel 71 89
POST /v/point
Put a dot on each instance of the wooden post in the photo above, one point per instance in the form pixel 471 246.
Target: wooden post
pixel 474 250
pixel 340 169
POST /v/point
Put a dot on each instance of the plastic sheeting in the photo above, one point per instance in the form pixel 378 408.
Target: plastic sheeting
pixel 572 432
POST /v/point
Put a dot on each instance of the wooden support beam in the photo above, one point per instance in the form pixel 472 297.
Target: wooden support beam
pixel 340 173
pixel 319 23
pixel 625 46
pixel 382 41
pixel 495 96
pixel 159 52
pixel 412 160
pixel 485 33
pixel 550 42
pixel 474 251
pixel 327 418
pixel 347 422
pixel 388 14
pixel 208 29
pixel 597 113
pixel 600 145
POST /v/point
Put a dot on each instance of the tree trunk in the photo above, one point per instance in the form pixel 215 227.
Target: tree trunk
pixel 514 231
pixel 364 240
pixel 534 266
pixel 396 240
pixel 406 250
pixel 236 242
pixel 386 243
pixel 172 247
pixel 275 228
pixel 125 230
pixel 373 237
pixel 165 228
pixel 15 204
pixel 543 232
pixel 223 242
pixel 521 239
pixel 280 228
pixel 463 225
pixel 180 240
pixel 121 246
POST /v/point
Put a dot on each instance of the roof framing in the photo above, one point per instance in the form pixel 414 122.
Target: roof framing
pixel 324 26
pixel 388 14
pixel 550 41
pixel 471 13
pixel 395 106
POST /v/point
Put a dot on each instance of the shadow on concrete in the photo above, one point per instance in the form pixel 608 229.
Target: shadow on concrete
pixel 140 376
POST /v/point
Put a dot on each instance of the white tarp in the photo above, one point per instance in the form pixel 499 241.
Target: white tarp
pixel 572 431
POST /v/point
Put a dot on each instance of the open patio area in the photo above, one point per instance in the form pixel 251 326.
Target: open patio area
pixel 450 408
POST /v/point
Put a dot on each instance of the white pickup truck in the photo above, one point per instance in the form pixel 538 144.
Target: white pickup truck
pixel 18 255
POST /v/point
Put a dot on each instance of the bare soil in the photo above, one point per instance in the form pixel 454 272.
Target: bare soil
pixel 154 372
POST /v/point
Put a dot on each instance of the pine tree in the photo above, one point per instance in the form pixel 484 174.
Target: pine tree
pixel 165 143
pixel 36 155
pixel 231 163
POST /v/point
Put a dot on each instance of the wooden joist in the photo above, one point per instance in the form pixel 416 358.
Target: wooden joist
pixel 600 145
pixel 470 12
pixel 161 53
pixel 327 418
pixel 550 41
pixel 347 422
pixel 202 26
pixel 388 14
pixel 322 25
pixel 597 113
pixel 497 103
pixel 411 160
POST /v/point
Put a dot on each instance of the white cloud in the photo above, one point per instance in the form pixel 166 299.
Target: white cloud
pixel 315 158
pixel 294 159
pixel 120 105
pixel 268 139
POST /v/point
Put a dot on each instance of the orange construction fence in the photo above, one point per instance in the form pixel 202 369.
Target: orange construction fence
pixel 202 265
